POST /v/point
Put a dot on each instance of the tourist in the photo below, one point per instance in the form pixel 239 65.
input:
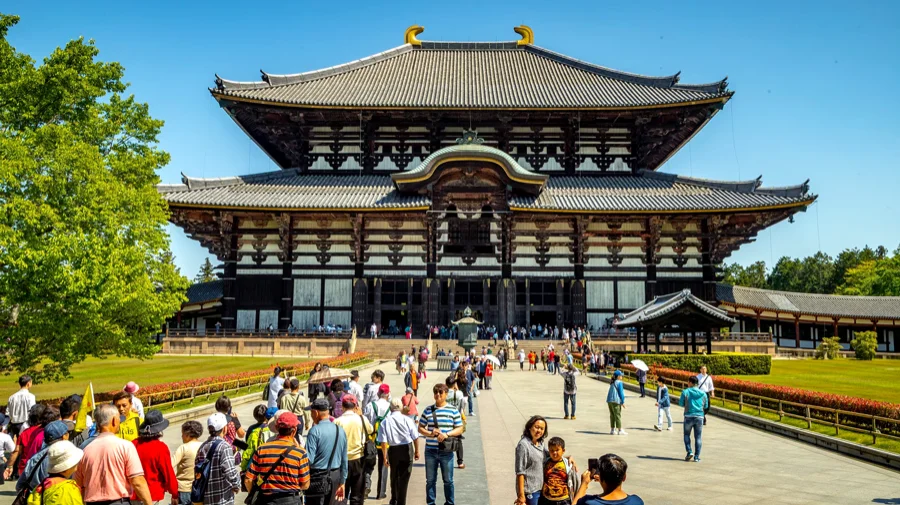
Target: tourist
pixel 411 380
pixel 31 440
pixel 155 458
pixel 326 447
pixel 662 404
pixel 129 420
pixel 556 361
pixel 354 388
pixel 705 384
pixel 569 390
pixel 397 437
pixel 276 383
pixel 471 390
pixel 314 390
pixel 334 397
pixel 438 423
pixel 488 374
pixel 185 457
pixel 615 400
pixel 694 402
pixel 531 361
pixel 610 472
pixel 233 428
pixel 551 360
pixel 68 413
pixel 136 403
pixel 530 461
pixel 224 477
pixel 642 379
pixel 373 331
pixel 376 412
pixel 370 392
pixel 37 467
pixel 58 488
pixel 410 404
pixel 111 468
pixel 358 431
pixel 296 403
pixel 454 364
pixel 557 472
pixel 456 399
pixel 279 470
pixel 18 406
pixel 482 368
pixel 7 446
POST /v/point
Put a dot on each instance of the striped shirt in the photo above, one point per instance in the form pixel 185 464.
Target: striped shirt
pixel 448 419
pixel 290 475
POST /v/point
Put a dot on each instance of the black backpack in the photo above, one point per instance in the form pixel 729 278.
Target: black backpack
pixel 201 474
pixel 570 381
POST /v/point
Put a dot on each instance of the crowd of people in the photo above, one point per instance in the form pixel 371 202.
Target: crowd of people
pixel 340 442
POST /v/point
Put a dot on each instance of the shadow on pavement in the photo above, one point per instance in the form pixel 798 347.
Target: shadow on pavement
pixel 660 458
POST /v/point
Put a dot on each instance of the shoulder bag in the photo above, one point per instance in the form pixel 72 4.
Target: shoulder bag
pixel 253 495
pixel 370 452
pixel 320 483
pixel 450 444
pixel 22 496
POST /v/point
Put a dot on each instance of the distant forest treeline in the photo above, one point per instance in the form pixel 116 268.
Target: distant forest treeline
pixel 860 272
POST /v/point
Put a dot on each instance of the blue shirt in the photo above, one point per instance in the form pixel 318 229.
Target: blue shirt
pixel 448 419
pixel 694 401
pixel 595 499
pixel 319 443
pixel 662 397
pixel 39 475
pixel 616 393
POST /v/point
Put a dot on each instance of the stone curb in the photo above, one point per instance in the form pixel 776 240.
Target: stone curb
pixel 205 410
pixel 841 446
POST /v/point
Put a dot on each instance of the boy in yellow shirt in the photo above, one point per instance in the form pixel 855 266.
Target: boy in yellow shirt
pixel 130 420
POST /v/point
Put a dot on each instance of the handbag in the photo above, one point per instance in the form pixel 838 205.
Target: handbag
pixel 256 488
pixel 320 483
pixel 370 452
pixel 450 444
pixel 22 496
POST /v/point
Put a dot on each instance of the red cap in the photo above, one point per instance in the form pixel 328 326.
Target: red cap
pixel 348 398
pixel 287 420
pixel 384 389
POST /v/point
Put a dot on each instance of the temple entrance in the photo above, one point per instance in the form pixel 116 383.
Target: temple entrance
pixel 543 317
pixel 393 322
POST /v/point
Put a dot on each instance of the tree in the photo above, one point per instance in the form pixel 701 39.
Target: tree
pixel 85 268
pixel 206 273
pixel 864 344
pixel 879 277
pixel 753 276
pixel 812 274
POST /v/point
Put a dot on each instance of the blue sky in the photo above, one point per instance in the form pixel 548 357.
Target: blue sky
pixel 816 83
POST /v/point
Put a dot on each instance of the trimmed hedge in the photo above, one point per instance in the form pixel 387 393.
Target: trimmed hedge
pixel 718 364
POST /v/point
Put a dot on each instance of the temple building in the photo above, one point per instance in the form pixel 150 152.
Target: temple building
pixel 436 176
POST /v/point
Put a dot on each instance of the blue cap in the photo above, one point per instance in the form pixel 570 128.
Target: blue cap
pixel 55 431
pixel 617 373
pixel 271 412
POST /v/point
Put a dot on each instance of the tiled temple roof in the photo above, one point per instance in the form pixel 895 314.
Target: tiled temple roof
pixel 644 191
pixel 204 292
pixel 868 307
pixel 660 307
pixel 467 75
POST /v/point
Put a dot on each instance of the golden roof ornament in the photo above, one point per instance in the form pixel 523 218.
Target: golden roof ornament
pixel 527 34
pixel 409 37
pixel 470 137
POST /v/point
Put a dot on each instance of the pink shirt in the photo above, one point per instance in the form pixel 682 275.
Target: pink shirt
pixel 408 400
pixel 104 470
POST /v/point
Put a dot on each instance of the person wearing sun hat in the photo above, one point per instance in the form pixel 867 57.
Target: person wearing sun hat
pixel 63 458
pixel 136 404
pixel 38 465
pixel 155 457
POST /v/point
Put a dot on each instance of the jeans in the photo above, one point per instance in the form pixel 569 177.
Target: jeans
pixel 433 459
pixel 659 416
pixel 471 401
pixel 550 366
pixel 696 424
pixel 184 498
pixel 615 415
pixel 532 499
pixel 642 389
pixel 566 399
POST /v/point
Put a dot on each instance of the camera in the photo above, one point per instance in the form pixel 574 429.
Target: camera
pixel 594 466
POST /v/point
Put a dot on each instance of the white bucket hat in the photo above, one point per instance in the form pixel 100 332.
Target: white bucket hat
pixel 63 455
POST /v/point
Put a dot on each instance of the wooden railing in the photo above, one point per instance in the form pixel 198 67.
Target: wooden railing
pixel 677 338
pixel 836 418
pixel 213 333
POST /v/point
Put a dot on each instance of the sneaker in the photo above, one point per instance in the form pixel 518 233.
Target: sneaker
pixel 612 432
pixel 669 428
pixel 573 418
pixel 567 417
pixel 689 457
pixel 657 428
pixel 696 460
pixel 622 432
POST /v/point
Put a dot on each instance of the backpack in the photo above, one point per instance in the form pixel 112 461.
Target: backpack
pixel 570 381
pixel 377 424
pixel 423 356
pixel 202 472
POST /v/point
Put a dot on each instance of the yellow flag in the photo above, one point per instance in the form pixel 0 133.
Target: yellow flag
pixel 87 407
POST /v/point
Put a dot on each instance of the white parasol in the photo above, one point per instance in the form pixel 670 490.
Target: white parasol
pixel 328 375
pixel 640 365
pixel 493 359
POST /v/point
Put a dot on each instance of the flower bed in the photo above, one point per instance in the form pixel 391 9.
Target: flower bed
pixel 173 391
pixel 802 396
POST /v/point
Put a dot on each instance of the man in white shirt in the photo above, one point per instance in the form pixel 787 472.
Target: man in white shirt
pixel 397 436
pixel 705 384
pixel 354 388
pixel 373 331
pixel 370 392
pixel 19 404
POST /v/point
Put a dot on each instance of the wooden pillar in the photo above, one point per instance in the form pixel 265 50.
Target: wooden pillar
pixel 684 340
pixel 658 339
pixel 528 303
pixel 360 306
pixel 707 244
pixel 834 327
pixel 796 332
pixel 286 255
pixel 560 302
pixel 709 341
pixel 758 322
pixel 579 307
pixel 376 313
pixel 229 286
pixel 694 342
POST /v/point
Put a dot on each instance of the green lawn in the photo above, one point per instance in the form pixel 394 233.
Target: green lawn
pixel 113 373
pixel 877 379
